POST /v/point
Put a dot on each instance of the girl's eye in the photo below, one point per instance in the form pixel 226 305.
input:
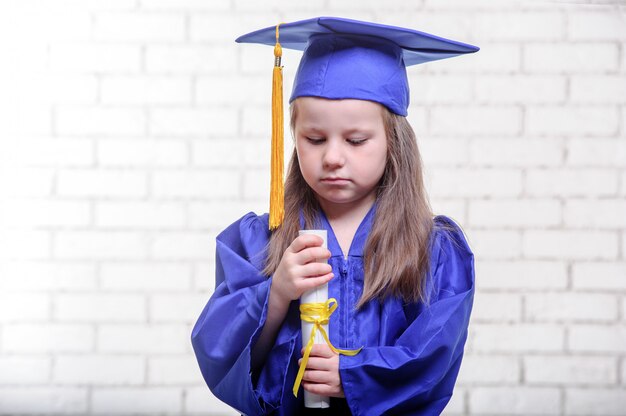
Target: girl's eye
pixel 315 140
pixel 357 141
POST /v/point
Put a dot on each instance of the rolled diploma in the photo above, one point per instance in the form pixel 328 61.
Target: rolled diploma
pixel 319 294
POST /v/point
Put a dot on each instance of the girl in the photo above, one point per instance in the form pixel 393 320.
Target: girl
pixel 403 280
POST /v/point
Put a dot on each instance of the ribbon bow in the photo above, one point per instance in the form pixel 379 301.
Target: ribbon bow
pixel 318 314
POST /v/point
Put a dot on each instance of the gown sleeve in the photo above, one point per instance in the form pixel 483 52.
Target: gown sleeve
pixel 416 374
pixel 233 318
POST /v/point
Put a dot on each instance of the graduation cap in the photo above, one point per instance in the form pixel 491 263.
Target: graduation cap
pixel 342 59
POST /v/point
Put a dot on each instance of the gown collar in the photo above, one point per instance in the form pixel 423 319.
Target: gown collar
pixel 360 237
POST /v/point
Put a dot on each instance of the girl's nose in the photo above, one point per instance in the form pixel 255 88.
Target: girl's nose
pixel 334 155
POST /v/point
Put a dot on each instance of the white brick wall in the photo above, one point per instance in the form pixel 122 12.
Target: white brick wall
pixel 49 338
pixel 132 131
pixel 520 338
pixel 101 369
pixel 595 401
pixel 515 401
pixel 147 400
pixel 44 400
pixel 571 370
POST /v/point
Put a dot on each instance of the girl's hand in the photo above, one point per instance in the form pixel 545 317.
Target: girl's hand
pixel 299 269
pixel 322 372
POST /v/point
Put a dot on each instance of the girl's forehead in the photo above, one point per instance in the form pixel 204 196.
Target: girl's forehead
pixel 321 108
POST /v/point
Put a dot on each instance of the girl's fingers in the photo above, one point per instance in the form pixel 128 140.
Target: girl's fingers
pixel 315 269
pixel 315 388
pixel 311 255
pixel 304 241
pixel 313 282
pixel 315 376
pixel 322 350
pixel 322 389
pixel 316 363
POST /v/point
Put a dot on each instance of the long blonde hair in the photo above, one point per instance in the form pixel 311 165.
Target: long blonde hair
pixel 396 256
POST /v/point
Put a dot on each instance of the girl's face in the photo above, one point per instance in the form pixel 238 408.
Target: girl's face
pixel 342 149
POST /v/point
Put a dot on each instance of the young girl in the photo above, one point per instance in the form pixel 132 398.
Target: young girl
pixel 402 279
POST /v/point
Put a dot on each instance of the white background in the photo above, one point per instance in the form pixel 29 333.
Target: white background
pixel 132 131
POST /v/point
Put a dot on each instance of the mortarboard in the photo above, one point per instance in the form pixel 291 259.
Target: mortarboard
pixel 342 59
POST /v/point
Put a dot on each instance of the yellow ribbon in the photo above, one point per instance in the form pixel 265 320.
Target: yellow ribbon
pixel 318 314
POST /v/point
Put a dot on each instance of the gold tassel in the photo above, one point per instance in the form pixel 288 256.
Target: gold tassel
pixel 277 187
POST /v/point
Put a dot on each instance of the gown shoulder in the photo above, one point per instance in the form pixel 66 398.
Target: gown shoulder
pixel 447 228
pixel 244 240
pixel 452 261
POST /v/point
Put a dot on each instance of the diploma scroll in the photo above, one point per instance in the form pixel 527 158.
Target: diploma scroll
pixel 317 295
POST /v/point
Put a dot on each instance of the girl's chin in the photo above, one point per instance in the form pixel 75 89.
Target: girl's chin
pixel 336 199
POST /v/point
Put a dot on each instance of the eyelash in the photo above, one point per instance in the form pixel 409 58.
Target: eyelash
pixel 354 142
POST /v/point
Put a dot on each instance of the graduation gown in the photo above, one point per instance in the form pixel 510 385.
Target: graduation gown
pixel 411 352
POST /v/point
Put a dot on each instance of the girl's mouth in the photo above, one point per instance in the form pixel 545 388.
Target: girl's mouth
pixel 335 180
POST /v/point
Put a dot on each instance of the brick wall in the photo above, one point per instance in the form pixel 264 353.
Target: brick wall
pixel 132 131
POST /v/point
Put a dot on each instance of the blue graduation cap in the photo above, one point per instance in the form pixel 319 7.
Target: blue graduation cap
pixel 342 59
pixel 346 58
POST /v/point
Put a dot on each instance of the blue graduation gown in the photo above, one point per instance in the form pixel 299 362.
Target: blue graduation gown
pixel 411 353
